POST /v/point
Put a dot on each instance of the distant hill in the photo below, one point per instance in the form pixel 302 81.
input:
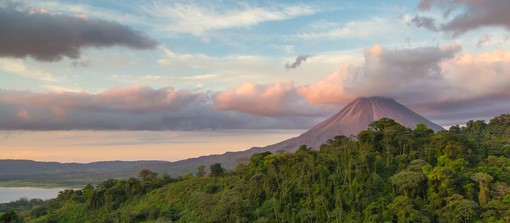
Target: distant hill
pixel 12 167
pixel 28 172
pixel 352 119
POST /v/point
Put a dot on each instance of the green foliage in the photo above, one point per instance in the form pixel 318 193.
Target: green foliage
pixel 22 204
pixel 216 170
pixel 11 217
pixel 388 173
pixel 408 182
pixel 201 171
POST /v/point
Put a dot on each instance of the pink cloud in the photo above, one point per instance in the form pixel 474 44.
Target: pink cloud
pixel 329 90
pixel 432 79
pixel 385 72
pixel 146 99
pixel 24 115
pixel 140 108
pixel 440 81
pixel 277 99
pixel 475 76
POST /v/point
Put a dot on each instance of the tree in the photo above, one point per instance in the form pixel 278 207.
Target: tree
pixel 201 171
pixel 166 179
pixel 382 123
pixel 458 209
pixel 10 217
pixel 148 180
pixel 216 170
pixel 147 175
pixel 87 192
pixel 483 180
pixel 408 182
pixel 403 209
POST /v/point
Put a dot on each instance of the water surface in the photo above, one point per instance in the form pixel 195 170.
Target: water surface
pixel 8 194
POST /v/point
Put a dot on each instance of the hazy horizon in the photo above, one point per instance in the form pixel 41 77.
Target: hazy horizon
pixel 106 80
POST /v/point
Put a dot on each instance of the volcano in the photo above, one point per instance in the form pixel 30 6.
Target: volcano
pixel 354 118
pixel 349 121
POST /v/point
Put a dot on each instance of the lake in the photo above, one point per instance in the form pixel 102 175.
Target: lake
pixel 8 194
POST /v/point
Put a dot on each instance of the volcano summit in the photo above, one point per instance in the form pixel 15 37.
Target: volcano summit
pixel 354 118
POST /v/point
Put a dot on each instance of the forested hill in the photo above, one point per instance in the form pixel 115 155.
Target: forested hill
pixel 390 173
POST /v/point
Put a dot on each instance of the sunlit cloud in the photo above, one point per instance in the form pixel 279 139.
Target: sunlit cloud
pixel 200 19
pixel 130 108
pixel 18 67
pixel 325 30
pixel 277 99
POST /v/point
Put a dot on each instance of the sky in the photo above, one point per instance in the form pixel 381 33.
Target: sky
pixel 83 81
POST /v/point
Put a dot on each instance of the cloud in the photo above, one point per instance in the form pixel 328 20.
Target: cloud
pixel 230 70
pixel 329 90
pixel 394 73
pixel 300 59
pixel 483 40
pixel 406 73
pixel 18 67
pixel 81 63
pixel 479 76
pixel 201 61
pixel 426 22
pixel 131 108
pixel 50 37
pixel 200 19
pixel 442 83
pixel 324 30
pixel 276 100
pixel 401 74
pixel 285 48
pixel 425 78
pixel 471 14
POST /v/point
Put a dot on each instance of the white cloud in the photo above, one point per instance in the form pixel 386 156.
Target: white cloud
pixel 83 10
pixel 362 28
pixel 237 69
pixel 164 80
pixel 18 67
pixel 199 19
pixel 285 48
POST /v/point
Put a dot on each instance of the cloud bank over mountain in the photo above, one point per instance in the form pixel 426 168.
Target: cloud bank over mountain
pixel 440 82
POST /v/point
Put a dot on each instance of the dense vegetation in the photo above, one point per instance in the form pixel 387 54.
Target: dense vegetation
pixel 388 173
